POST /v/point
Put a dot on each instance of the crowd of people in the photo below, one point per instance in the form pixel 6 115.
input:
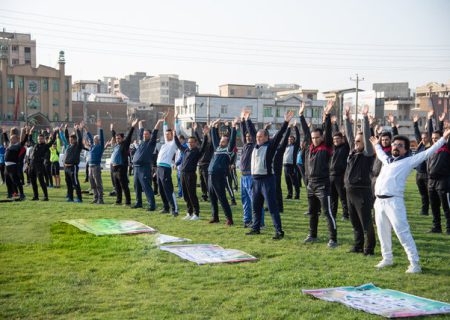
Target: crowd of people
pixel 362 170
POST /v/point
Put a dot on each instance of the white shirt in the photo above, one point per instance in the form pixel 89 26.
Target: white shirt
pixel 392 178
pixel 167 151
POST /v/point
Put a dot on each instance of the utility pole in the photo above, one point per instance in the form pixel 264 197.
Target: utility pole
pixel 357 79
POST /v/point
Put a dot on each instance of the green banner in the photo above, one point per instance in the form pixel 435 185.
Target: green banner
pixel 101 227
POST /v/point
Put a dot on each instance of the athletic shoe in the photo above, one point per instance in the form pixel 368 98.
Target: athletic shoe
pixel 94 201
pixel 278 235
pixel 414 268
pixel 310 239
pixel 22 197
pixel 69 200
pixel 332 244
pixel 248 224
pixel 369 253
pixel 151 209
pixel 78 201
pixel 297 198
pixel 187 217
pixel 164 211
pixel 100 202
pixel 136 206
pixel 175 214
pixel 45 199
pixel 253 232
pixel 384 263
pixel 214 220
pixel 35 199
pixel 229 222
pixel 112 193
pixel 195 218
pixel 288 198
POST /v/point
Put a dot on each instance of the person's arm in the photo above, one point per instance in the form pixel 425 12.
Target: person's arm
pixel 368 148
pixel 52 139
pixel 58 142
pixel 251 128
pixel 66 133
pixel 63 139
pixel 328 135
pixel 80 139
pixel 204 144
pixel 305 129
pixel 349 133
pixel 243 131
pixel 102 137
pixel 422 156
pixel 178 143
pixel 297 134
pixel 232 143
pixel 214 137
pixel 416 129
pixel 197 135
pixel 381 155
pixel 90 138
pixel 279 135
pixel 285 140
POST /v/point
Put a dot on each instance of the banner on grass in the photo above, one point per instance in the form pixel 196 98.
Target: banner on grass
pixel 383 302
pixel 208 253
pixel 102 227
pixel 164 238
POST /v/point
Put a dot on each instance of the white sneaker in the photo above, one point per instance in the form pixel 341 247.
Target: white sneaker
pixel 188 217
pixel 195 218
pixel 414 268
pixel 384 263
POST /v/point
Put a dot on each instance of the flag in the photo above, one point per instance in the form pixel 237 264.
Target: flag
pixel 16 109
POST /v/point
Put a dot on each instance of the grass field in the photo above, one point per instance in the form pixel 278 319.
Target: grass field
pixel 51 270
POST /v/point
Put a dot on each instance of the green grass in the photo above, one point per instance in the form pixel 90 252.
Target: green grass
pixel 51 270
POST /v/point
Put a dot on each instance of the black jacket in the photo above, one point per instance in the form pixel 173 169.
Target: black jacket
pixel 339 159
pixel 190 156
pixel 38 154
pixel 72 154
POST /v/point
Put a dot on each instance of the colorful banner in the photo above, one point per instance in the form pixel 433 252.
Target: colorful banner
pixel 164 238
pixel 383 302
pixel 102 227
pixel 208 253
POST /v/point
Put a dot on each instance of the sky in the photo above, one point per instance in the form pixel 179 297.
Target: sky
pixel 316 44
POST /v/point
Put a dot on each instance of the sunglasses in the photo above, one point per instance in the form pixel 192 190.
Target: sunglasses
pixel 400 145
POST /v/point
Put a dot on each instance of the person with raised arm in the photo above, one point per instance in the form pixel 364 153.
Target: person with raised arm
pixel 317 170
pixel 119 163
pixel 289 164
pixel 71 162
pixel 191 154
pixel 390 210
pixel 142 165
pixel 218 170
pixel 164 170
pixel 264 188
pixel 96 149
pixel 358 185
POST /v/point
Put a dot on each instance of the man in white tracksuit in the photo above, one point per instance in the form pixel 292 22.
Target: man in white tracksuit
pixel 390 211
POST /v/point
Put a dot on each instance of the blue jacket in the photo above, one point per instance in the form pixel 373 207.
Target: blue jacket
pixel 96 150
pixel 2 154
pixel 144 152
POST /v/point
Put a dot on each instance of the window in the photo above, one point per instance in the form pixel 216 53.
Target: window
pixel 55 85
pixel 67 102
pixel 277 112
pixel 66 86
pixel 27 50
pixel 21 83
pixel 11 99
pixel 10 83
pixel 27 61
pixel 14 48
pixel 231 92
pixel 268 112
pixel 55 102
pixel 15 61
pixel 45 84
pixel 308 113
pixel 249 92
pixel 223 109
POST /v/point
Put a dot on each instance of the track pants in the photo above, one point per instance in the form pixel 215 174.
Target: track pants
pixel 319 197
pixel 279 192
pixel 439 191
pixel 120 174
pixel 217 193
pixel 203 170
pixel 13 180
pixel 290 175
pixel 95 178
pixel 264 189
pixel 165 185
pixel 246 198
pixel 338 192
pixel 143 182
pixel 189 186
pixel 390 214
pixel 422 185
pixel 72 182
pixel 360 211
pixel 38 172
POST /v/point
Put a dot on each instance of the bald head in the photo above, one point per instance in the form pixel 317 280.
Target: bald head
pixel 262 136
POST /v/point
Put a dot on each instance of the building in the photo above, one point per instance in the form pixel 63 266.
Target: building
pixel 338 97
pixel 204 108
pixel 151 113
pixel 237 90
pixel 129 86
pixel 392 90
pixel 303 94
pixel 165 88
pixel 39 95
pixel 81 88
pixel 435 96
pixel 21 48
pixel 106 97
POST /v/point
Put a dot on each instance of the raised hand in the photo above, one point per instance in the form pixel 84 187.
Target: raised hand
pixel 301 109
pixel 206 129
pixel 135 122
pixel 288 116
pixel 246 114
pixel 442 116
pixel 99 123
pixel 365 110
pixel 374 140
pixel 415 117
pixel 235 122
pixel 446 134
pixel 267 126
pixel 333 119
pixel 347 112
pixel 391 119
pixel 141 124
pixel 430 114
pixel 111 126
pixel 194 126
pixel 329 106
pixel 372 120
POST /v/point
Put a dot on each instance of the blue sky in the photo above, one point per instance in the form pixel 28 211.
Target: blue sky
pixel 317 44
